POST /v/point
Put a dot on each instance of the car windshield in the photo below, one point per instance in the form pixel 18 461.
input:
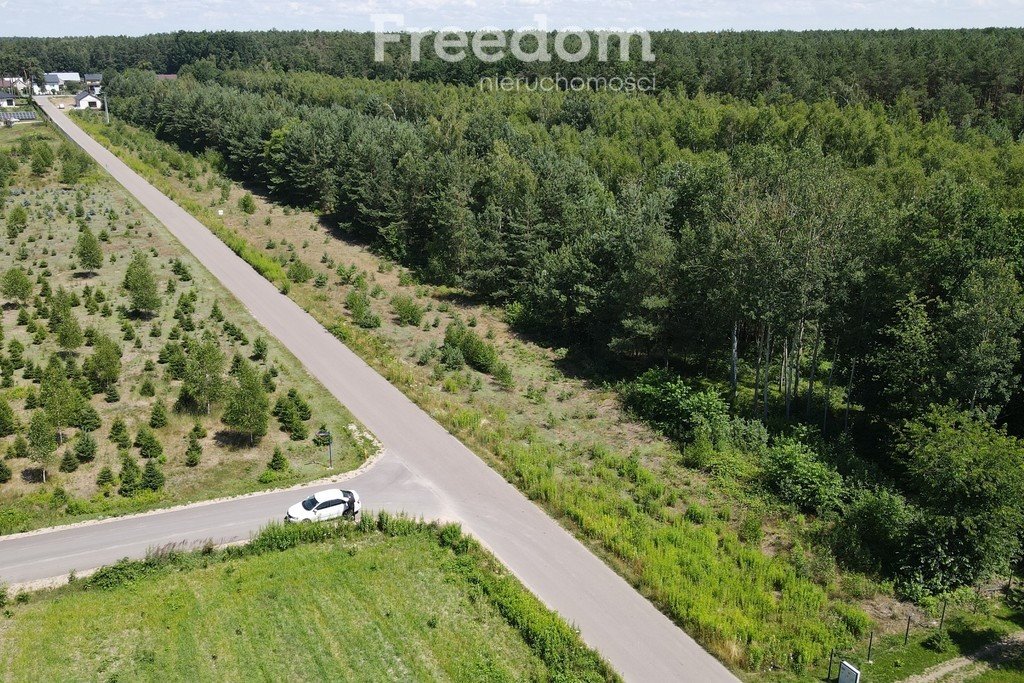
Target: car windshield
pixel 309 503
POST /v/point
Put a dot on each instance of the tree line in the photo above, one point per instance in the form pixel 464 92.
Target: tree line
pixel 975 75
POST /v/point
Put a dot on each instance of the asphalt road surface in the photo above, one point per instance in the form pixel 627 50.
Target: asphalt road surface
pixel 425 472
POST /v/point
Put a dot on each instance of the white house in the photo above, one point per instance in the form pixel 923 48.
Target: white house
pixel 54 81
pixel 86 100
pixel 6 99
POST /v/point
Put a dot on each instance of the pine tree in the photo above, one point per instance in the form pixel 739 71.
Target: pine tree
pixel 278 463
pixel 194 452
pixel 119 433
pixel 89 419
pixel 88 251
pixel 5 472
pixel 20 448
pixel 158 418
pixel 259 349
pixel 147 443
pixel 85 447
pixel 105 477
pixel 8 422
pixel 152 477
pixel 68 463
pixel 130 476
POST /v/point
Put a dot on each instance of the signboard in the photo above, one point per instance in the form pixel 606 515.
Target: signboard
pixel 848 673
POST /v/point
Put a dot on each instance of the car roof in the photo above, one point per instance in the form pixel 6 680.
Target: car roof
pixel 328 494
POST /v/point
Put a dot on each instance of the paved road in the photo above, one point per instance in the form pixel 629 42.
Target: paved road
pixel 426 472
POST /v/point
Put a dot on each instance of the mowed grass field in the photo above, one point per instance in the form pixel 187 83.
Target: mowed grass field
pixel 365 606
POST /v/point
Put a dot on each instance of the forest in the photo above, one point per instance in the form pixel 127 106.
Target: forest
pixel 976 76
pixel 847 275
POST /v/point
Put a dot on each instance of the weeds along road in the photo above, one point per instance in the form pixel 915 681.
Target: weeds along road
pixel 426 471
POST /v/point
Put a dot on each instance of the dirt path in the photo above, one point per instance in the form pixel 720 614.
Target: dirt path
pixel 965 668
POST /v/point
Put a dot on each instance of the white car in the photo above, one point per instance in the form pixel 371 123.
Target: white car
pixel 327 504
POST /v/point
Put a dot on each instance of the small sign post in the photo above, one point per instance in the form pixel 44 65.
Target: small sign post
pixel 848 673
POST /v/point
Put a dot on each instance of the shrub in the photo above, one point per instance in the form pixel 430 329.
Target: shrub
pixel 299 272
pixel 794 473
pixel 664 400
pixel 939 641
pixel 5 472
pixel 358 304
pixel 406 310
pixel 247 204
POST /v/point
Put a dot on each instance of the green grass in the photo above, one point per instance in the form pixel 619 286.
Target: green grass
pixel 388 599
pixel 44 250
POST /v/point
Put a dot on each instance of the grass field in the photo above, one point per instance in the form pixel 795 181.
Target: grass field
pixel 387 600
pixel 56 212
pixel 738 571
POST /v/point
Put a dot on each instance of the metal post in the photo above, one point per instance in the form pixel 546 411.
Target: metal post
pixel 906 636
pixel 830 657
pixel 942 619
pixel 330 453
pixel 871 642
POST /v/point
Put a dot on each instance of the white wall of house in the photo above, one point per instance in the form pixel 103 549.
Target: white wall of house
pixel 89 102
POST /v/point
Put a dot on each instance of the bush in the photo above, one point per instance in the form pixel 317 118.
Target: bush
pixel 358 304
pixel 795 474
pixel 664 400
pixel 5 472
pixel 247 204
pixel 939 641
pixel 407 311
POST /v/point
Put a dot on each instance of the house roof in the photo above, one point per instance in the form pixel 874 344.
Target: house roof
pixel 63 76
pixel 93 77
pixel 52 78
pixel 166 77
pixel 82 94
